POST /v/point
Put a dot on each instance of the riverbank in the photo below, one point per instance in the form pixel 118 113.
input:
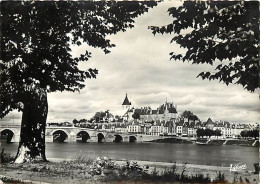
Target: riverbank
pixel 85 170
pixel 233 142
pixel 173 141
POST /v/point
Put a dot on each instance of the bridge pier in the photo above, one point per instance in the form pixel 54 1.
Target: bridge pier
pixel 93 139
pixel 72 137
pixel 49 138
pixel 139 138
pixel 16 138
pixel 125 139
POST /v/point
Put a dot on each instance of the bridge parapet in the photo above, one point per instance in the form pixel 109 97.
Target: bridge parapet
pixel 10 126
pixel 72 134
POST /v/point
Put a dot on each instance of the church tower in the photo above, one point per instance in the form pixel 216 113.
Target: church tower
pixel 126 104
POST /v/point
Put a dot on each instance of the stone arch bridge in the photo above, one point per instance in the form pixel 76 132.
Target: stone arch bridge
pixel 72 134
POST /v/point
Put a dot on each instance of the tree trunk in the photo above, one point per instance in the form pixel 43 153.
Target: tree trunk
pixel 33 126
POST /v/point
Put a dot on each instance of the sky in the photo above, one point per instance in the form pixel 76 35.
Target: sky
pixel 140 66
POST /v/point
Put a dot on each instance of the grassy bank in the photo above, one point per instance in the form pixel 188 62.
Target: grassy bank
pixel 104 170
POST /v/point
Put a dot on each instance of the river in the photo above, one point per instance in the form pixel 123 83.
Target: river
pixel 223 155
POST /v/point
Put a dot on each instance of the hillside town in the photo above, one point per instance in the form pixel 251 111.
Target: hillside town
pixel 163 121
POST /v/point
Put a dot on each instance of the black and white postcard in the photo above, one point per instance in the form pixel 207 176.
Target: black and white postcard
pixel 129 92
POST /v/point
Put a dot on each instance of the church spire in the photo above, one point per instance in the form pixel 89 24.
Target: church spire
pixel 126 101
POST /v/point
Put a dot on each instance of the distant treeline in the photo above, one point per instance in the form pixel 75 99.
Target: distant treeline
pixel 208 132
pixel 250 133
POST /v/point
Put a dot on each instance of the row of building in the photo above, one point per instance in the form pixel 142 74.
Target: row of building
pixel 165 120
pixel 184 128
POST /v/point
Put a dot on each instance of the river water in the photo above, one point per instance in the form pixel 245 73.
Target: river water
pixel 223 155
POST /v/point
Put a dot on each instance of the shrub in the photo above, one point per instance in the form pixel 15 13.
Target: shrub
pixel 6 158
pixel 83 159
pixel 10 180
pixel 131 171
pixel 98 166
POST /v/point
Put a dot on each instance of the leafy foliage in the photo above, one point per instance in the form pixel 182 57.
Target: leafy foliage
pixel 6 158
pixel 36 39
pixel 222 34
pixel 99 116
pixel 75 121
pixel 250 133
pixel 135 173
pixel 136 115
pixel 98 166
pixel 208 132
pixel 189 115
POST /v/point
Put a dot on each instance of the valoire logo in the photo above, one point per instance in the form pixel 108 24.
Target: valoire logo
pixel 237 167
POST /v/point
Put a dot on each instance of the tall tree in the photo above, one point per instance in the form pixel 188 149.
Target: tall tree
pixel 136 115
pixel 35 58
pixel 200 132
pixel 75 122
pixel 218 132
pixel 99 116
pixel 189 115
pixel 223 34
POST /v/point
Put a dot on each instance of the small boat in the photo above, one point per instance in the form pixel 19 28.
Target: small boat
pixel 201 143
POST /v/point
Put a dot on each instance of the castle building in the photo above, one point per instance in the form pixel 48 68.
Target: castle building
pixel 165 112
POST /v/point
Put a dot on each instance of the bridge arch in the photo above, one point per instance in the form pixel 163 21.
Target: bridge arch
pixel 132 138
pixel 118 138
pixel 101 137
pixel 7 134
pixel 59 135
pixel 83 136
